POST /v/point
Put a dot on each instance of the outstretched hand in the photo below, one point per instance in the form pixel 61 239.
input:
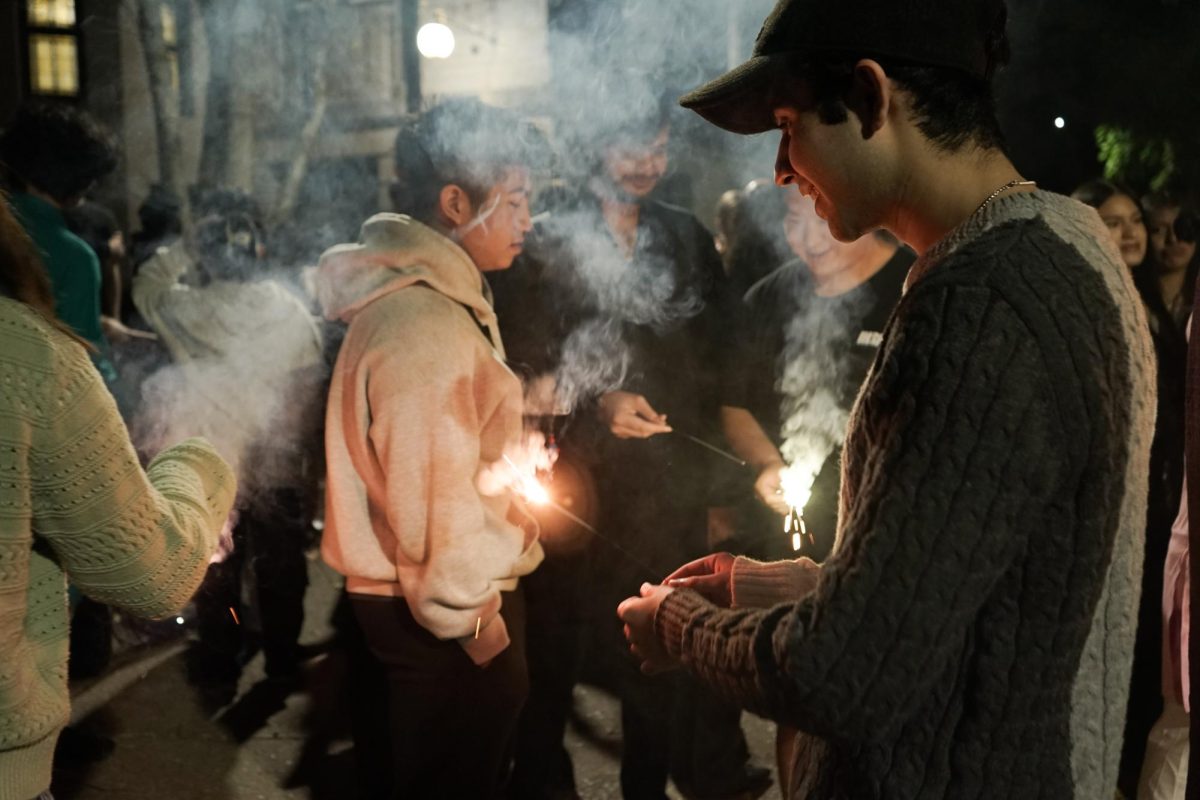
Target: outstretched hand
pixel 711 577
pixel 630 416
pixel 638 615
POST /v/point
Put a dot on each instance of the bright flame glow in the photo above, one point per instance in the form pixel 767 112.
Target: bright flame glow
pixel 534 492
pixel 796 484
pixel 527 485
pixel 435 40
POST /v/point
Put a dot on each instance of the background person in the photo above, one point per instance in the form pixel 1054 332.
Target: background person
pixel 248 372
pixel 1122 216
pixel 52 155
pixel 1172 223
pixel 634 287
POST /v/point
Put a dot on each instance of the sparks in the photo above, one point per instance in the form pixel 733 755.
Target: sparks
pixel 796 491
pixel 528 486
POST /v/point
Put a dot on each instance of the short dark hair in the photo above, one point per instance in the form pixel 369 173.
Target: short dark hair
pixel 461 142
pixel 57 149
pixel 952 108
pixel 160 213
pixel 95 224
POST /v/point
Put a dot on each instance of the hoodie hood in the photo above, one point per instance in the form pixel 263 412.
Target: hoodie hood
pixel 395 251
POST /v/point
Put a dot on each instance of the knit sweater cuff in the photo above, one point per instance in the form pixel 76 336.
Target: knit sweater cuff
pixel 219 481
pixel 674 613
pixel 757 584
pixel 25 769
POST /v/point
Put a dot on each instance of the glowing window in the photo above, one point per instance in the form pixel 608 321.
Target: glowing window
pixel 170 34
pixel 52 13
pixel 53 64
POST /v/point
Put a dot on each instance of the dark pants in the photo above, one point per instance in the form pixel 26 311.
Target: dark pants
pixel 450 724
pixel 556 621
pixel 271 534
pixel 672 726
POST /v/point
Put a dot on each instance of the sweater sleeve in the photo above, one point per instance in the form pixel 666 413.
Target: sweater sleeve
pixel 946 451
pixel 757 584
pixel 160 297
pixel 138 540
pixel 429 402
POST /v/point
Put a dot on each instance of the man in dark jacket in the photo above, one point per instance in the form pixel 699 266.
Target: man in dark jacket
pixel 620 301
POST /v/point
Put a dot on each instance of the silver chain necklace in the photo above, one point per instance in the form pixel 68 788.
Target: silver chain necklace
pixel 1015 182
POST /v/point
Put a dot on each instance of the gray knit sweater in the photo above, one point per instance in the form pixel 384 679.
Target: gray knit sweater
pixel 971 636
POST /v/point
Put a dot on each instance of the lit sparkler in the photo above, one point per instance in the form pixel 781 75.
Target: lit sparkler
pixel 528 486
pixel 534 491
pixel 712 448
pixel 796 491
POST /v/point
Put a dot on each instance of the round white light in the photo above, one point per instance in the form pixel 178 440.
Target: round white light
pixel 179 620
pixel 1060 123
pixel 435 40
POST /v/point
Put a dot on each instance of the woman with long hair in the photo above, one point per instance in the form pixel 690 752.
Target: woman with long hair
pixel 75 503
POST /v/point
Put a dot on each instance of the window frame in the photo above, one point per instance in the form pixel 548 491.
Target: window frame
pixel 74 31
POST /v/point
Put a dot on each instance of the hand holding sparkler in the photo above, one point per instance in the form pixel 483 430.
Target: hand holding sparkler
pixel 630 416
pixel 768 487
pixel 711 577
pixel 638 615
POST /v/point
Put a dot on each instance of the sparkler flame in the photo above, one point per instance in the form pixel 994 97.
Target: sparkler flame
pixel 795 485
pixel 528 486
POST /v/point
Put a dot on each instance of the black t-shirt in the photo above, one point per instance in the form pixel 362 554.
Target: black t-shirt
pixel 576 307
pixel 796 364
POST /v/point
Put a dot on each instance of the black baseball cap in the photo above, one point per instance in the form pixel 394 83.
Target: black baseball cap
pixel 937 33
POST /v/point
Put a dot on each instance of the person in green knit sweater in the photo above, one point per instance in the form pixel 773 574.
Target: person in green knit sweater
pixel 971 634
pixel 75 503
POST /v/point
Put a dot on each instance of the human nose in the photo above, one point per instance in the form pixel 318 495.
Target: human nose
pixel 524 219
pixel 784 173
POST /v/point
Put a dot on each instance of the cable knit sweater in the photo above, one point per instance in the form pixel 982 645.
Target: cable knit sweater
pixel 74 500
pixel 971 636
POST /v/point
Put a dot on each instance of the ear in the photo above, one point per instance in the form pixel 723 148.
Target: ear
pixel 870 96
pixel 454 207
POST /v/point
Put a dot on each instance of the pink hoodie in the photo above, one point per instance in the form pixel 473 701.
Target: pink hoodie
pixel 420 407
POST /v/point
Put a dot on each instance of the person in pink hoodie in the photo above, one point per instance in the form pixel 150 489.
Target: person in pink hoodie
pixel 422 411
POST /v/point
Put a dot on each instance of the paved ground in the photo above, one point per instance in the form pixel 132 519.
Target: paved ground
pixel 267 745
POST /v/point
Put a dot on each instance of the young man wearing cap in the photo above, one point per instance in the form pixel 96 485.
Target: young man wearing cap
pixel 971 634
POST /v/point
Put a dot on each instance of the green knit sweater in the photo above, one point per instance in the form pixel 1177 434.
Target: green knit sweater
pixel 74 501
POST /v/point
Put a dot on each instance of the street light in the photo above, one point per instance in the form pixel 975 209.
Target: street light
pixel 1060 123
pixel 435 40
